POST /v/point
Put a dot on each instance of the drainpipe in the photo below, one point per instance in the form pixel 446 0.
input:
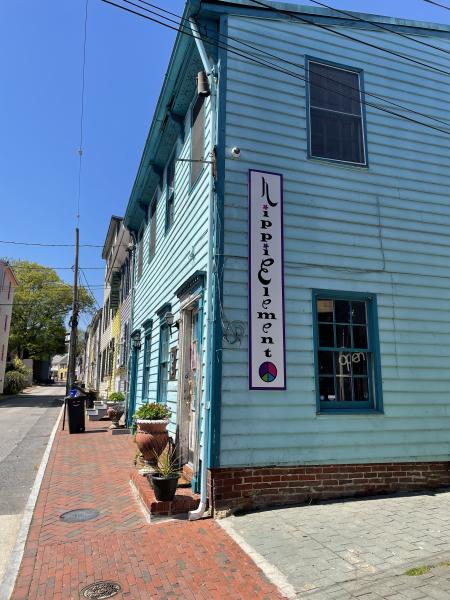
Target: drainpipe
pixel 209 69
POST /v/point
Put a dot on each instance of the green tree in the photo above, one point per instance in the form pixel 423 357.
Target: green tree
pixel 42 302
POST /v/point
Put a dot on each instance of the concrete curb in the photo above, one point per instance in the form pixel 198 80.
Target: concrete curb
pixel 9 579
pixel 273 574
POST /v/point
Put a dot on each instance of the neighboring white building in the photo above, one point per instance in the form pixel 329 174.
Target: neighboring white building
pixel 8 283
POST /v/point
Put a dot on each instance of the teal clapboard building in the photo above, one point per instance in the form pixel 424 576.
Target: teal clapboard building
pixel 344 121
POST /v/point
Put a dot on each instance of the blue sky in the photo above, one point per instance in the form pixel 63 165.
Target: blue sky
pixel 40 66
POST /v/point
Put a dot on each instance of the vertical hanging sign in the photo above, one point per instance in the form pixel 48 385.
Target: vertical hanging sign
pixel 267 370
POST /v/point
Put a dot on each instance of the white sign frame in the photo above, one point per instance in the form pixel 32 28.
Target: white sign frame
pixel 267 348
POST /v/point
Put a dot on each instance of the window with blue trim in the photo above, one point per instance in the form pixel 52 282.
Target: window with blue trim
pixel 336 120
pixel 146 369
pixel 163 367
pixel 346 352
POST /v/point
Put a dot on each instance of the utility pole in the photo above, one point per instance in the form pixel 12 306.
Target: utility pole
pixel 73 321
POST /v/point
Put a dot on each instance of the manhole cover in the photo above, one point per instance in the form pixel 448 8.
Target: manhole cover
pixel 81 514
pixel 100 590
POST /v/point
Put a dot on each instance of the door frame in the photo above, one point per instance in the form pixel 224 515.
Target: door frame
pixel 187 305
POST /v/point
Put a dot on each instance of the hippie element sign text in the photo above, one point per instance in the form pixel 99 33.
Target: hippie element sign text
pixel 266 294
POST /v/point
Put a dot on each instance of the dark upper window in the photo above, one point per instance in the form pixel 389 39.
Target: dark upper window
pixel 336 128
pixel 125 283
pixel 170 193
pixel 346 352
pixel 197 138
pixel 152 234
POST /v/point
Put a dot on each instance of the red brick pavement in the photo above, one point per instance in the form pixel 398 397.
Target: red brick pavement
pixel 167 560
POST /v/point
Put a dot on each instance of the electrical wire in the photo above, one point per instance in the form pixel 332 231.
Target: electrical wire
pixel 284 60
pixel 89 288
pixel 379 26
pixel 271 65
pixel 295 16
pixel 437 4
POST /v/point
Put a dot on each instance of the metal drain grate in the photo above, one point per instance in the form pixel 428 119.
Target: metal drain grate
pixel 79 515
pixel 100 590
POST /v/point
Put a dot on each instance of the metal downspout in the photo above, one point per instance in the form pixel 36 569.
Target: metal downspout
pixel 209 68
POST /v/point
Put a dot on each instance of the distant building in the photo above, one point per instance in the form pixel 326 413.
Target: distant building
pixel 8 282
pixel 116 314
pixel 91 371
pixel 58 367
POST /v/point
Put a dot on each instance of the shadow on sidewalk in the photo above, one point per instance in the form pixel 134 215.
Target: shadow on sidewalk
pixel 31 401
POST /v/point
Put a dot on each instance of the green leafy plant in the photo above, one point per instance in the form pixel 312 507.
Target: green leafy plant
pixel 166 462
pixel 17 365
pixel 153 411
pixel 15 382
pixel 116 397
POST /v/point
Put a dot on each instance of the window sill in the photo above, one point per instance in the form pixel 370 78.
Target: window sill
pixel 365 412
pixel 338 163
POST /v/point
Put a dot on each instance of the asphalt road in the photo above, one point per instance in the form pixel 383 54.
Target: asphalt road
pixel 26 422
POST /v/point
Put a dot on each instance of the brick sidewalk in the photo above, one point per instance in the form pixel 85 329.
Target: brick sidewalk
pixel 166 560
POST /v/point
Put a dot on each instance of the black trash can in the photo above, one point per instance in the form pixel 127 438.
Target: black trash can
pixel 75 413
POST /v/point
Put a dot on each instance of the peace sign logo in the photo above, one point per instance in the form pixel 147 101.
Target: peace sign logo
pixel 268 372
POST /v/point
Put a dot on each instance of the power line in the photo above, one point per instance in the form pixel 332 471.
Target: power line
pixel 438 4
pixel 284 60
pixel 275 67
pixel 349 37
pixel 50 245
pixel 40 267
pixel 89 287
pixel 379 26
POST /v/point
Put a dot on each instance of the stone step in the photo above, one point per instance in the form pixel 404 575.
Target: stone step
pixel 184 501
pixel 95 414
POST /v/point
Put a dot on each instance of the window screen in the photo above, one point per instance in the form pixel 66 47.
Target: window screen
pixel 335 114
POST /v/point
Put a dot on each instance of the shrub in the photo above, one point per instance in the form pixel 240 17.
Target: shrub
pixel 15 382
pixel 154 411
pixel 116 397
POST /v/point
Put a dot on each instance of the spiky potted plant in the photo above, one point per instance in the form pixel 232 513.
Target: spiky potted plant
pixel 165 478
pixel 151 436
pixel 116 409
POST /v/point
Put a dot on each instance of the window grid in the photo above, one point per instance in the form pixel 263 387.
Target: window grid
pixel 348 376
pixel 335 113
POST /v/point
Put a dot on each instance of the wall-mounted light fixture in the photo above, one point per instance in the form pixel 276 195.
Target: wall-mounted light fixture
pixel 136 340
pixel 169 321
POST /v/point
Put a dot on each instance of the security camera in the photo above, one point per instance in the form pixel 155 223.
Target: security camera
pixel 235 152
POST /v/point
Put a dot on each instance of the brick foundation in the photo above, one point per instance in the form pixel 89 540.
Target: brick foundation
pixel 251 487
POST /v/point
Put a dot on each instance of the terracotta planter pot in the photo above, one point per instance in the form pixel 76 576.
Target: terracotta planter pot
pixel 114 412
pixel 151 437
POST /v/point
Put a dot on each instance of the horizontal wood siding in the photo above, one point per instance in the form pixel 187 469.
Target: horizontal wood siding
pixel 384 230
pixel 179 253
